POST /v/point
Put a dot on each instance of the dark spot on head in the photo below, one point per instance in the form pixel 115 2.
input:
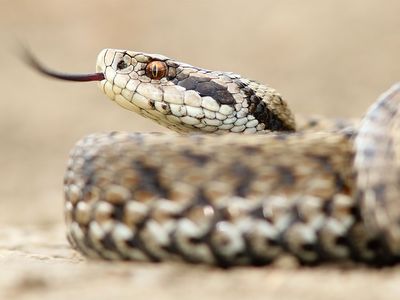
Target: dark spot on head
pixel 205 87
pixel 191 82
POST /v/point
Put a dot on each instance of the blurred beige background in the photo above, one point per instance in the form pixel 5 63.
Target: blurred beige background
pixel 330 57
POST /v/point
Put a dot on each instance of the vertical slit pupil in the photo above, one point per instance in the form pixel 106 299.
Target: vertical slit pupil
pixel 154 70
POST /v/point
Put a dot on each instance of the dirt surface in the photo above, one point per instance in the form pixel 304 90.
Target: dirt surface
pixel 328 57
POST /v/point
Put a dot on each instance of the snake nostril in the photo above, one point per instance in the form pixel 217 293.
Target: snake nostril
pixel 122 65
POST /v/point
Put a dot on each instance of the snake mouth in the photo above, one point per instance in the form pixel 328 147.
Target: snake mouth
pixel 35 64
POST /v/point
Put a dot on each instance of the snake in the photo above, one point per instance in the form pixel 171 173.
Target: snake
pixel 239 181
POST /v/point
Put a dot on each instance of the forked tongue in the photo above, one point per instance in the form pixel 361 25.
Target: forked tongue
pixel 35 64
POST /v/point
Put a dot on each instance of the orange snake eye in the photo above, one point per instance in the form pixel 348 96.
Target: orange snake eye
pixel 156 70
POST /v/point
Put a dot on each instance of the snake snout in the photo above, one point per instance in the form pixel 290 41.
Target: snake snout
pixel 100 63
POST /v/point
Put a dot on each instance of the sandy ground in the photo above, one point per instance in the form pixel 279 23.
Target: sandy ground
pixel 329 57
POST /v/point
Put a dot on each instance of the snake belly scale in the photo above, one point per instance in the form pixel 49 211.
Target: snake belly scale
pixel 240 184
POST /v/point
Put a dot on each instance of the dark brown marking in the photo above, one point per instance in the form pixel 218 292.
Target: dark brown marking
pixel 118 212
pixel 206 87
pixel 245 175
pixel 286 175
pixel 250 150
pixel 149 179
pixel 261 112
pixel 108 242
pixel 199 159
pixel 258 213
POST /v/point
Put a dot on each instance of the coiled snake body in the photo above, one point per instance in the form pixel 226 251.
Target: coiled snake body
pixel 321 191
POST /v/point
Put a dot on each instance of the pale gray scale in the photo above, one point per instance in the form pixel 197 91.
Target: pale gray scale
pixel 117 58
pixel 108 57
pixel 172 63
pixel 180 76
pixel 142 58
pixel 159 57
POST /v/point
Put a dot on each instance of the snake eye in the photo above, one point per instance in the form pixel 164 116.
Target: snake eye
pixel 156 70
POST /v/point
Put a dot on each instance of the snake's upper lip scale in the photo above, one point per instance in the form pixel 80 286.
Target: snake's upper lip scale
pixel 34 63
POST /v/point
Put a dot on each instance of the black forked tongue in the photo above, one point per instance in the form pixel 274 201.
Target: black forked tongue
pixel 34 63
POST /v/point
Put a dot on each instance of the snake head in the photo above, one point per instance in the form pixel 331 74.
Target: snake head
pixel 182 97
pixel 185 98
